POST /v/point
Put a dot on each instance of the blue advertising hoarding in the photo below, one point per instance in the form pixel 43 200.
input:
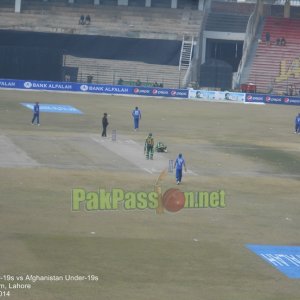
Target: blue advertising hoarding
pixel 148 91
pixel 160 92
pixel 272 99
pixel 93 88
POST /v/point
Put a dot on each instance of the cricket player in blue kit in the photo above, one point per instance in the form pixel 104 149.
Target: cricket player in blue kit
pixel 136 113
pixel 36 114
pixel 178 165
pixel 297 124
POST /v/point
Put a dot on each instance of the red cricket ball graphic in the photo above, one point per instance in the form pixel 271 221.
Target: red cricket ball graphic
pixel 173 200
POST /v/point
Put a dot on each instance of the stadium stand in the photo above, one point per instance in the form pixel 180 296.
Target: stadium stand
pixel 271 68
pixel 223 37
pixel 108 19
pixel 126 21
pixel 226 22
pixel 111 71
pixel 276 68
pixel 237 8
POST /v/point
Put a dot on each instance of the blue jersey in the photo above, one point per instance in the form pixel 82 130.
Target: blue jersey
pixel 297 120
pixel 36 109
pixel 179 163
pixel 136 114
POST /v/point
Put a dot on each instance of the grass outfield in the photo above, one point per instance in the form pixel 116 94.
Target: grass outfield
pixel 249 151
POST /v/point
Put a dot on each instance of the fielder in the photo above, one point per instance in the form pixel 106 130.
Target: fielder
pixel 178 165
pixel 137 116
pixel 36 114
pixel 149 146
pixel 297 124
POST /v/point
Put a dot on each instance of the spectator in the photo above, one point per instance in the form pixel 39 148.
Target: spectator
pixel 281 41
pixel 81 20
pixel 120 81
pixel 89 79
pixel 278 42
pixel 268 38
pixel 87 20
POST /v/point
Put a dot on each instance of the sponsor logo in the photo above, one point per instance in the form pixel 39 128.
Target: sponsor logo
pixel 255 98
pixel 273 99
pixel 268 98
pixel 162 92
pixel 141 91
pixel 286 100
pixel 114 89
pixel 54 86
pixel 84 87
pixel 179 93
pixel 294 101
pixel 285 259
pixel 27 85
pixel 96 88
pixel 54 108
pixel 7 84
pixel 155 92
pixel 58 86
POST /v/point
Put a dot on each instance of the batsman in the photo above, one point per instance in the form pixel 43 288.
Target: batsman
pixel 149 146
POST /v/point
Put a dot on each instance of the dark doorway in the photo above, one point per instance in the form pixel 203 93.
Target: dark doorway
pixel 226 50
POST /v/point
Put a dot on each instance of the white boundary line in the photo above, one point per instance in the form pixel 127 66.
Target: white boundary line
pixel 147 170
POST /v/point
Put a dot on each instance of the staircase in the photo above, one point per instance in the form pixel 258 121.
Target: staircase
pixel 186 52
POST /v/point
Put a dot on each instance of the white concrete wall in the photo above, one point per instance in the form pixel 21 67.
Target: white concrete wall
pixel 17 6
pixel 123 2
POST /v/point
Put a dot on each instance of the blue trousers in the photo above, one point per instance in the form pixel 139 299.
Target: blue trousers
pixel 178 175
pixel 136 122
pixel 37 117
pixel 297 127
